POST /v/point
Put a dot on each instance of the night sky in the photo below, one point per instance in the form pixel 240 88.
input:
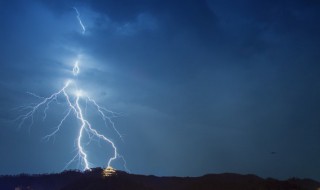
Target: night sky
pixel 202 86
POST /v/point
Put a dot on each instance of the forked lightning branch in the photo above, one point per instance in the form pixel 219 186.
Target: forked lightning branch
pixel 73 97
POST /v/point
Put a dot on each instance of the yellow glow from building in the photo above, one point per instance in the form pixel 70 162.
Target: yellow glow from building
pixel 109 171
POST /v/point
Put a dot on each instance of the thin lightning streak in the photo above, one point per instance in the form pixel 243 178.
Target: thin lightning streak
pixel 35 95
pixel 47 137
pixel 22 108
pixel 105 118
pixel 80 21
pixel 124 163
pixel 47 107
pixel 71 161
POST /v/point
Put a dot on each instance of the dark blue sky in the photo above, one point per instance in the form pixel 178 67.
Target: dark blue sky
pixel 203 86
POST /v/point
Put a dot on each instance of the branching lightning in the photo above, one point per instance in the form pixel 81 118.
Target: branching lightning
pixel 73 96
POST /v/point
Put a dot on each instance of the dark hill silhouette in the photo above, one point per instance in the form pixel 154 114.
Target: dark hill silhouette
pixel 96 180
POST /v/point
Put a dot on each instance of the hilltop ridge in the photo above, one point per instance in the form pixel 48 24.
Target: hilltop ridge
pixel 105 179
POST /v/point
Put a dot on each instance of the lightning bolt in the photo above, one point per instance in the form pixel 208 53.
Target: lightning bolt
pixel 73 96
pixel 80 21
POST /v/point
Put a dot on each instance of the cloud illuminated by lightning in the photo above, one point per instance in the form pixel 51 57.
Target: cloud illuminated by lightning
pixel 76 69
pixel 73 97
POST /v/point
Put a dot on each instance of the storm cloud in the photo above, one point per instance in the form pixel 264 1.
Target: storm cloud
pixel 203 86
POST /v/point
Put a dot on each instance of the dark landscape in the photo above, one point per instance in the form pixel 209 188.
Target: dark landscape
pixel 96 179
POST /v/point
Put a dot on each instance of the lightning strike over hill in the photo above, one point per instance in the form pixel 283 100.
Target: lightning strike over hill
pixel 73 96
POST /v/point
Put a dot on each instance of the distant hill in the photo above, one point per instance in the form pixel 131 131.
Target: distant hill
pixel 99 179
